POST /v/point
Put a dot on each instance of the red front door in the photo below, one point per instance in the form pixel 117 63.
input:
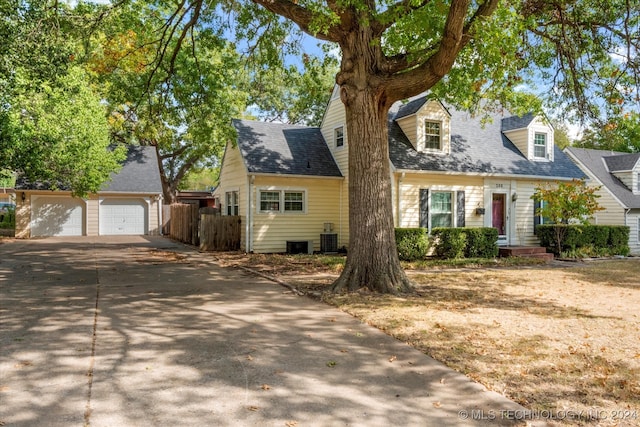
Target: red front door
pixel 498 215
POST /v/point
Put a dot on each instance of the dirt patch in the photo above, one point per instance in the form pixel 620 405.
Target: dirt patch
pixel 562 339
pixel 159 256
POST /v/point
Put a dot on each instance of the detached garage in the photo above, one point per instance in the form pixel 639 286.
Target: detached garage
pixel 129 204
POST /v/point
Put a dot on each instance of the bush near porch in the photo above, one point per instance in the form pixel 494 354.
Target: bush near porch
pixel 581 241
pixel 448 243
pixel 455 243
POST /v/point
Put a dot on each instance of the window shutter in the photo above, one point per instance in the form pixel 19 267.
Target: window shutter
pixel 424 208
pixel 460 209
pixel 536 217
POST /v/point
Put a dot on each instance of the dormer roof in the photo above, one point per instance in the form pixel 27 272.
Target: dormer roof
pixel 622 162
pixel 413 106
pixel 516 122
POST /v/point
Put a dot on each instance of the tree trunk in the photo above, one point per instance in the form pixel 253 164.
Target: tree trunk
pixel 372 259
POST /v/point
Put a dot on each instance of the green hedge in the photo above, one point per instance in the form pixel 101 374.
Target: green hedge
pixel 8 219
pixel 586 240
pixel 412 243
pixel 454 243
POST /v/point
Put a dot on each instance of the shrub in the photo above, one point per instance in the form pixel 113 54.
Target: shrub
pixel 450 243
pixel 585 240
pixel 481 242
pixel 412 243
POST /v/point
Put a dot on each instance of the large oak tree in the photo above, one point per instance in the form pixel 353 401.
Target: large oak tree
pixel 467 52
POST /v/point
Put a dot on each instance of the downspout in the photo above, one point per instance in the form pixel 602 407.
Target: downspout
pixel 249 223
pixel 399 199
pixel 340 213
pixel 160 208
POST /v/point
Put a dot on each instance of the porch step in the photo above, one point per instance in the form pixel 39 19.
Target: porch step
pixel 525 252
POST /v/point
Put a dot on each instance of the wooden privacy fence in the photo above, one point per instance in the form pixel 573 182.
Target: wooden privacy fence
pixel 184 223
pixel 204 227
pixel 219 233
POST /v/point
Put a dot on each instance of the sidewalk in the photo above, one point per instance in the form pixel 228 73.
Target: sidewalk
pixel 142 331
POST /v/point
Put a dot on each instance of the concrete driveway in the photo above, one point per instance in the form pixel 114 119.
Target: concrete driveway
pixel 143 331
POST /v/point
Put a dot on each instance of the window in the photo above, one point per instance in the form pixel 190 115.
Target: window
pixel 432 135
pixel 540 145
pixel 441 209
pixel 537 218
pixel 232 202
pixel 293 201
pixel 270 201
pixel 273 201
pixel 638 230
pixel 638 182
pixel 338 136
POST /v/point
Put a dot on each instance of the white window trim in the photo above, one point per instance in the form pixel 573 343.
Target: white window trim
pixel 344 137
pixel 281 191
pixel 424 136
pixel 546 146
pixel 226 206
pixel 454 205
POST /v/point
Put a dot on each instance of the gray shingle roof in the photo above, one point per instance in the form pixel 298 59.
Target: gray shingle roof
pixel 594 160
pixel 621 162
pixel 516 122
pixel 284 149
pixel 139 174
pixel 477 149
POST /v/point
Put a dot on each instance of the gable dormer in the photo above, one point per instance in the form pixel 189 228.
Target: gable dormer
pixel 532 135
pixel 625 167
pixel 427 125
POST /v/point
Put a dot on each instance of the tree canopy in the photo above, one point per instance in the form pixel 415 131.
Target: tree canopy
pixel 53 125
pixel 167 85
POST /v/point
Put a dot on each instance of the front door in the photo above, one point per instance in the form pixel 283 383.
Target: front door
pixel 499 215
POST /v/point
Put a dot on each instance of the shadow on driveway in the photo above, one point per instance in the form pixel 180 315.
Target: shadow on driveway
pixel 141 331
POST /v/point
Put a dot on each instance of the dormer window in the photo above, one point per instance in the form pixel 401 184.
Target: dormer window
pixel 338 136
pixel 432 135
pixel 540 146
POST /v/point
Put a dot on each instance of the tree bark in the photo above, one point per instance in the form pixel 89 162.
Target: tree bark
pixel 372 259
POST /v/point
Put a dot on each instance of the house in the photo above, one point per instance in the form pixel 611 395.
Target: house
pixel 618 176
pixel 290 183
pixel 204 199
pixel 130 203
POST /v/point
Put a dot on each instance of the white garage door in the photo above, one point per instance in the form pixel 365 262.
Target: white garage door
pixel 123 216
pixel 57 216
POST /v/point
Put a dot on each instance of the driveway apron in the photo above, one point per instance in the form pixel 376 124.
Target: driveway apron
pixel 143 331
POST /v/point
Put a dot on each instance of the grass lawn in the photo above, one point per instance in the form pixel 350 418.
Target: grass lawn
pixel 559 337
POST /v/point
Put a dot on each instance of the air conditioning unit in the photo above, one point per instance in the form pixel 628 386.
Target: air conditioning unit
pixel 300 246
pixel 328 242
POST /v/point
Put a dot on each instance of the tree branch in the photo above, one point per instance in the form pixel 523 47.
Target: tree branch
pixel 456 35
pixel 300 15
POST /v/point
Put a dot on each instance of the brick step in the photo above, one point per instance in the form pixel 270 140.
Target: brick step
pixel 507 251
pixel 547 257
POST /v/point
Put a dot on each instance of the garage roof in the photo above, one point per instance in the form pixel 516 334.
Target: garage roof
pixel 139 174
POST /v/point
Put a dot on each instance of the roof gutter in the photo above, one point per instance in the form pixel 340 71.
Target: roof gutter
pixel 284 175
pixel 485 174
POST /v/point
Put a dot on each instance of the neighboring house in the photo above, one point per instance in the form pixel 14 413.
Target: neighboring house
pixel 204 199
pixel 290 183
pixel 129 204
pixel 618 175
